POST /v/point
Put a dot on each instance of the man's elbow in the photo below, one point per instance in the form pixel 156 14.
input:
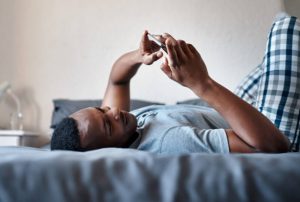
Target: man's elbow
pixel 283 146
pixel 279 146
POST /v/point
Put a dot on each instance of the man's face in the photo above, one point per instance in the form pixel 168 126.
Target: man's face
pixel 105 127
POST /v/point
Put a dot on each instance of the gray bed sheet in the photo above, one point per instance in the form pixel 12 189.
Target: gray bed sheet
pixel 28 174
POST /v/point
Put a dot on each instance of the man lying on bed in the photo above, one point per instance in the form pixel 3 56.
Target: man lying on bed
pixel 235 126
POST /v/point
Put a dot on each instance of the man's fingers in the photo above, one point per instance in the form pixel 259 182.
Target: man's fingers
pixel 192 49
pixel 170 38
pixel 166 68
pixel 179 51
pixel 161 38
pixel 150 58
pixel 167 35
pixel 174 62
pixel 175 51
pixel 155 56
pixel 144 39
pixel 184 48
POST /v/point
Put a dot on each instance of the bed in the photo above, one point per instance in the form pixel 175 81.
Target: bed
pixel 113 174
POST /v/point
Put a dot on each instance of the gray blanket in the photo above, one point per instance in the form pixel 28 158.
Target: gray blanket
pixel 28 174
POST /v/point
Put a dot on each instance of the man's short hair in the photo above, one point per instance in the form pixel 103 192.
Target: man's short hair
pixel 66 136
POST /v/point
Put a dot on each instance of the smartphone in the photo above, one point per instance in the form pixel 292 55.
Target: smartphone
pixel 163 46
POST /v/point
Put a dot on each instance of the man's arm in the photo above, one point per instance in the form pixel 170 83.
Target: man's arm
pixel 118 89
pixel 251 131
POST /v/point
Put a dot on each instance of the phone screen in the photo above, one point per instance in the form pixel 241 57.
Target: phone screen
pixel 163 46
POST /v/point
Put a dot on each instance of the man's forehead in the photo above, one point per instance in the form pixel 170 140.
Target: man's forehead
pixel 84 111
pixel 88 119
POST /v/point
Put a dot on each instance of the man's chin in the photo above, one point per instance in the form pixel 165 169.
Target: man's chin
pixel 132 121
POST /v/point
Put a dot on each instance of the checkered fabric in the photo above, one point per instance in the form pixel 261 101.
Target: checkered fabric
pixel 247 89
pixel 274 86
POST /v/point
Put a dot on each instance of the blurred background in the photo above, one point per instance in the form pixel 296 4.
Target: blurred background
pixel 64 49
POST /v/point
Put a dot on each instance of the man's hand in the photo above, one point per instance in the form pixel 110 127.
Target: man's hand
pixel 149 50
pixel 117 92
pixel 184 64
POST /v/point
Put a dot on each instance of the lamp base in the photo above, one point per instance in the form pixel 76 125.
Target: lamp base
pixel 16 121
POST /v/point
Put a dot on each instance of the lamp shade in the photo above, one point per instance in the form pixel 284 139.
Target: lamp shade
pixel 4 87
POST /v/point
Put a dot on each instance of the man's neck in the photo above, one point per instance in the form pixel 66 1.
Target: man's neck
pixel 131 139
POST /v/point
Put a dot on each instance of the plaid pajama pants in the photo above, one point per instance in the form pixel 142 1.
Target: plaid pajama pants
pixel 274 86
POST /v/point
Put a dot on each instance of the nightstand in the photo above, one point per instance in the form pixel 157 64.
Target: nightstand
pixel 16 137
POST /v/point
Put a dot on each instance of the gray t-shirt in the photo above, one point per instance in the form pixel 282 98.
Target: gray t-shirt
pixel 179 129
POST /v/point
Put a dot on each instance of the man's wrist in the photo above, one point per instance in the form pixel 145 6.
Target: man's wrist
pixel 125 67
pixel 204 88
pixel 138 57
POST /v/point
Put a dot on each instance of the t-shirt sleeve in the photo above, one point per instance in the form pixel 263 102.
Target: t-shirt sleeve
pixel 186 139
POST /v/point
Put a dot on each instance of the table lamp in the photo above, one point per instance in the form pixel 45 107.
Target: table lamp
pixel 16 118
